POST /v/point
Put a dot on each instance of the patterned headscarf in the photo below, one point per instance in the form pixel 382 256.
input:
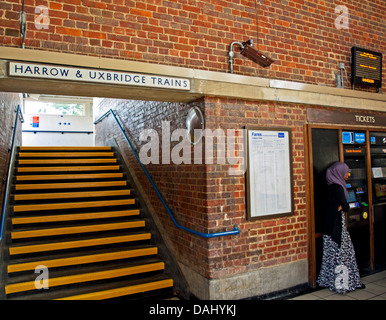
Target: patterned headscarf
pixel 335 175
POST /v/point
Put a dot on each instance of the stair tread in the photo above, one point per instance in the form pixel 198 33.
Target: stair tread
pixel 123 291
pixel 74 217
pixel 72 205
pixel 78 229
pixel 72 148
pixel 87 276
pixel 69 195
pixel 77 243
pixel 68 168
pixel 91 256
pixel 82 269
pixel 65 161
pixel 69 176
pixel 93 249
pixel 64 154
pixel 72 185
pixel 104 290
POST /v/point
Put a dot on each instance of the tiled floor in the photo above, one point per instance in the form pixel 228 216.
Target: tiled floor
pixel 375 290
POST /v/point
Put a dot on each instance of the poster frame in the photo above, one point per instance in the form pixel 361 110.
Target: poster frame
pixel 249 174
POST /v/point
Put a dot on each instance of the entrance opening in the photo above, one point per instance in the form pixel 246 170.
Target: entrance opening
pixel 57 121
pixel 365 154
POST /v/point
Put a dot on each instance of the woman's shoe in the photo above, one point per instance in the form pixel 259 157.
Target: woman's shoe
pixel 362 286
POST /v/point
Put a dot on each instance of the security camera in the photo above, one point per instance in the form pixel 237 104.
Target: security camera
pixel 255 55
pixel 249 51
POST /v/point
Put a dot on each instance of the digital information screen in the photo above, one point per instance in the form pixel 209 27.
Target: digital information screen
pixel 366 67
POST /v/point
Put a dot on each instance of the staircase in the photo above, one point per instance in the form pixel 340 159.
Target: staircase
pixel 73 216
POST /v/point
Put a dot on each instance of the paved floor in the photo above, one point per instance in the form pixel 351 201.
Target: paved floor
pixel 375 290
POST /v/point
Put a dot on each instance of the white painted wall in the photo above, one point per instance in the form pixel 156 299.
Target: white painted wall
pixel 62 129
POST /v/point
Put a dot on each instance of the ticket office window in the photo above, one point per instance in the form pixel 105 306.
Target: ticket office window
pixel 367 192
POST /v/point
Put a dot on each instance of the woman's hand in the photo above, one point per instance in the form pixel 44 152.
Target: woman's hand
pixel 340 208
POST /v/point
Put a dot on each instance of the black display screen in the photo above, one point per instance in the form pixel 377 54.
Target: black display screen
pixel 366 67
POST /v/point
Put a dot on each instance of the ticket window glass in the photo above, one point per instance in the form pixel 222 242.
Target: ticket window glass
pixel 357 219
pixel 378 175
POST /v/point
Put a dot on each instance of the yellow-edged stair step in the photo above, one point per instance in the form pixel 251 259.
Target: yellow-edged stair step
pixel 75 217
pixel 79 229
pixel 64 154
pixel 118 292
pixel 65 161
pixel 63 245
pixel 68 168
pixel 70 148
pixel 84 277
pixel 69 176
pixel 71 185
pixel 71 195
pixel 83 259
pixel 72 205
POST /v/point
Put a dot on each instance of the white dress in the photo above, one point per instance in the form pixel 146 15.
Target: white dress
pixel 339 271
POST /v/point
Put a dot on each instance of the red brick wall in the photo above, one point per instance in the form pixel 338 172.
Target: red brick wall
pixel 206 198
pixel 8 102
pixel 265 242
pixel 299 35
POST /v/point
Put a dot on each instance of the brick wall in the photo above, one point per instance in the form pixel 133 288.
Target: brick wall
pixel 301 36
pixel 264 242
pixel 8 102
pixel 204 197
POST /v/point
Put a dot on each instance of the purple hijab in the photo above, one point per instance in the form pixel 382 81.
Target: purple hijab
pixel 335 175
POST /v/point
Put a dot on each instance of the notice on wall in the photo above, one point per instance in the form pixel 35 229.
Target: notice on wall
pixel 269 174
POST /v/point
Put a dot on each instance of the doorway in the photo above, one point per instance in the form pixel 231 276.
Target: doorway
pixel 364 152
pixel 53 120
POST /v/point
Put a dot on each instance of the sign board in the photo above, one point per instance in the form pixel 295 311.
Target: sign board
pixel 366 67
pixel 54 72
pixel 269 173
pixel 351 118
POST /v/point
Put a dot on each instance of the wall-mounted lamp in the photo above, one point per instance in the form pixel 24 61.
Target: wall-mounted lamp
pixel 249 51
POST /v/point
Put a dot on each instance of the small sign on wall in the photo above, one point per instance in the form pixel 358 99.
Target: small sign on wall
pixel 35 122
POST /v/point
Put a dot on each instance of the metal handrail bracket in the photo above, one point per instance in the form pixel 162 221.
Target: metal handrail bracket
pixel 235 231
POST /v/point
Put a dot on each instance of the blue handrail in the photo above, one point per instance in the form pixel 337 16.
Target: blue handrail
pixel 235 231
pixel 19 113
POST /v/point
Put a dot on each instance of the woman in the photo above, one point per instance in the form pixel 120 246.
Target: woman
pixel 339 271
